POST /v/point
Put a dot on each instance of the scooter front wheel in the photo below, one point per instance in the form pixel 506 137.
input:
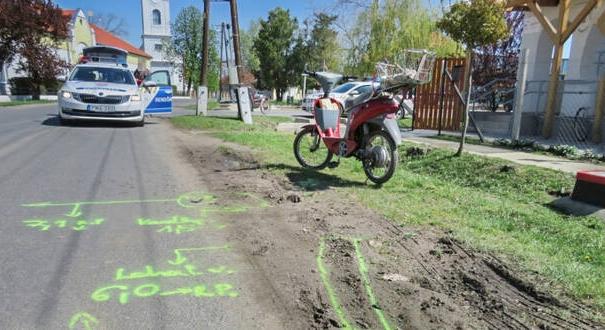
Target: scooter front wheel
pixel 310 151
pixel 382 158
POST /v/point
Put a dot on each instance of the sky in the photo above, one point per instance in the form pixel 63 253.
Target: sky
pixel 248 10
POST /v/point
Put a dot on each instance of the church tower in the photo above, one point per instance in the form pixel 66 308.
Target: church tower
pixel 156 29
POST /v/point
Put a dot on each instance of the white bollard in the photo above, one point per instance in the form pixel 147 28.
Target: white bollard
pixel 202 101
pixel 244 104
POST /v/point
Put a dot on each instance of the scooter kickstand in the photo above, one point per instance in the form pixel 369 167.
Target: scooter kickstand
pixel 334 164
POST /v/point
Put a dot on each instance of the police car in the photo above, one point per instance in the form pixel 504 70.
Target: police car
pixel 101 87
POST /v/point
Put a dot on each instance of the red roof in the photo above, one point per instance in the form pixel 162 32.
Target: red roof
pixel 106 38
pixel 68 12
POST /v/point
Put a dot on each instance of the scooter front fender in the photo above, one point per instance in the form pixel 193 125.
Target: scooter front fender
pixel 391 126
pixel 298 130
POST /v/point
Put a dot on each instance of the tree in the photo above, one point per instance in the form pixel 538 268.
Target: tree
pixel 111 23
pixel 214 62
pixel 246 40
pixel 500 60
pixel 473 23
pixel 323 48
pixel 30 31
pixel 273 46
pixel 384 29
pixel 185 47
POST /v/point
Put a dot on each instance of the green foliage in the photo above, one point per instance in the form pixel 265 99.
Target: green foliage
pixel 475 23
pixel 323 47
pixel 186 47
pixel 26 86
pixel 386 28
pixel 273 46
pixel 30 31
pixel 246 38
pixel 564 151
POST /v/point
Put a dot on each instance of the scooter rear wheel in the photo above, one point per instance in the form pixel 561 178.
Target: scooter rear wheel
pixel 265 106
pixel 380 164
pixel 310 151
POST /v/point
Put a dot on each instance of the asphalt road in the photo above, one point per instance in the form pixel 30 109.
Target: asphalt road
pixel 99 229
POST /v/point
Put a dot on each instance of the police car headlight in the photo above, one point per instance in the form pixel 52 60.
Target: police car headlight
pixel 135 98
pixel 66 95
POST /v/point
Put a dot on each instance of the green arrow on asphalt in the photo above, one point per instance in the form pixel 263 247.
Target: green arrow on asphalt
pixel 180 259
pixel 86 320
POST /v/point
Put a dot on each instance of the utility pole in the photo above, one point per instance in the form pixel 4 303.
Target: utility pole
pixel 202 94
pixel 205 38
pixel 235 29
pixel 220 74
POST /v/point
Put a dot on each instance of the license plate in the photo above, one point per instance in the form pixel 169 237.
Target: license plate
pixel 101 108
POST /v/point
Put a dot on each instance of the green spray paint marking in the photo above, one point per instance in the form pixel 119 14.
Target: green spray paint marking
pixel 76 211
pixel 325 278
pixel 188 271
pixel 363 271
pixel 77 225
pixel 124 292
pixel 187 200
pixel 179 224
pixel 86 320
pixel 180 259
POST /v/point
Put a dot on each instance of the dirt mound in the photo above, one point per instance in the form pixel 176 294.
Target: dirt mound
pixel 334 264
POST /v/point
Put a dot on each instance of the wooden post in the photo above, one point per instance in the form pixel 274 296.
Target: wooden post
pixel 205 39
pixel 549 111
pixel 441 94
pixel 597 124
pixel 518 105
pixel 467 88
pixel 235 36
pixel 201 108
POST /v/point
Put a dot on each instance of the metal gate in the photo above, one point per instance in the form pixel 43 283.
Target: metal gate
pixel 431 110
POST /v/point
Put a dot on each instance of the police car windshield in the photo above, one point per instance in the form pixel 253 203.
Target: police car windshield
pixel 107 75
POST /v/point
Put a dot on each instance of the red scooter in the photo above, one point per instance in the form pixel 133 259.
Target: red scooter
pixel 372 133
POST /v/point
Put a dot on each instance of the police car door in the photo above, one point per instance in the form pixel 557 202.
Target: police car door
pixel 158 98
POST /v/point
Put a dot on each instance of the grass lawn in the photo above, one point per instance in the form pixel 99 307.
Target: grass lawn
pixel 212 105
pixel 479 201
pixel 405 122
pixel 15 103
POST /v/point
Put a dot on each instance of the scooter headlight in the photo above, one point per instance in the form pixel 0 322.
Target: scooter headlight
pixel 66 95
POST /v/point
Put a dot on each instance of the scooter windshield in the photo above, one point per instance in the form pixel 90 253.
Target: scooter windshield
pixel 327 80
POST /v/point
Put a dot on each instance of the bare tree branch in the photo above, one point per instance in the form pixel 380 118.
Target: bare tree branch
pixel 112 23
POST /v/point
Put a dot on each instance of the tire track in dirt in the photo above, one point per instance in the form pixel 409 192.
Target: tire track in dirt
pixel 421 278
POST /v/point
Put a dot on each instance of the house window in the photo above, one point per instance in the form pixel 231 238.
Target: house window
pixel 158 47
pixel 157 17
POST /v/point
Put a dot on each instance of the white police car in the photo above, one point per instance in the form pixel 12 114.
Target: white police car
pixel 102 87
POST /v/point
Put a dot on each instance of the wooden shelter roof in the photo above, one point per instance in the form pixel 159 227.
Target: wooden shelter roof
pixel 522 4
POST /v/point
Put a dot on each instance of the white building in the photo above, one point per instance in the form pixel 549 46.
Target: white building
pixel 576 105
pixel 156 31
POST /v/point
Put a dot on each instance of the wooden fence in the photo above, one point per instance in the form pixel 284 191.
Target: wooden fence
pixel 431 111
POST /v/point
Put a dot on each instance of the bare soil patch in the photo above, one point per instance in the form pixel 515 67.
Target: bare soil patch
pixel 333 263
